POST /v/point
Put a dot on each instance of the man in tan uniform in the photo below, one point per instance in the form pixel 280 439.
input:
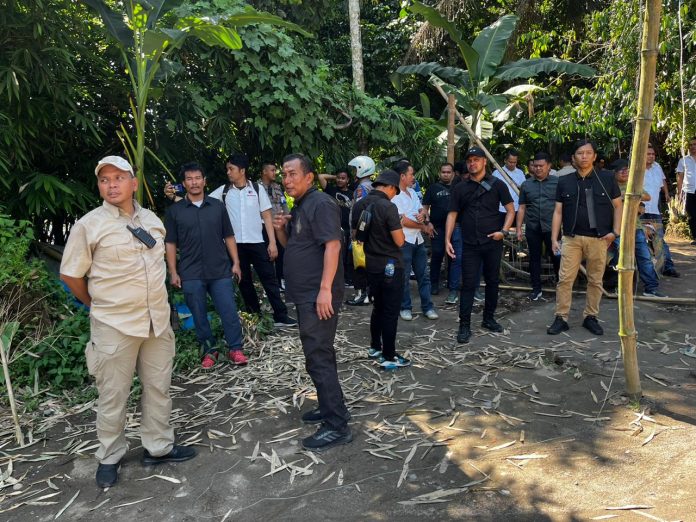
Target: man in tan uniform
pixel 122 279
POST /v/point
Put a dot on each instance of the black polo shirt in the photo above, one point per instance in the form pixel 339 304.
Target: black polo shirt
pixel 380 245
pixel 199 234
pixel 478 208
pixel 316 219
pixel 438 197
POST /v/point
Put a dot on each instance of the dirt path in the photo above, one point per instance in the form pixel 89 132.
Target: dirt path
pixel 520 426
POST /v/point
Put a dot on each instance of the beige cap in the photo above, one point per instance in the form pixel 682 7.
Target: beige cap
pixel 116 161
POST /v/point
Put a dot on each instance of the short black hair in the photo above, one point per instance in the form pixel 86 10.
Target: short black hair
pixel 345 170
pixel 446 164
pixel 267 163
pixel 566 158
pixel 542 156
pixel 460 166
pixel 238 160
pixel 402 166
pixel 305 163
pixel 582 143
pixel 191 166
pixel 511 152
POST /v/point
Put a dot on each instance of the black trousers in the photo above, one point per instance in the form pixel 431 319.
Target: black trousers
pixel 347 257
pixel 279 260
pixel 536 239
pixel 690 208
pixel 472 258
pixel 256 254
pixel 317 338
pixel 385 310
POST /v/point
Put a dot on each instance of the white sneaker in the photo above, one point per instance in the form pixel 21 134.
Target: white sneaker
pixel 432 314
pixel 406 315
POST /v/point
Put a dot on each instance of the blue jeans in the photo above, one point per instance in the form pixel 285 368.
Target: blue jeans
pixel 222 291
pixel 669 264
pixel 644 264
pixel 438 254
pixel 415 256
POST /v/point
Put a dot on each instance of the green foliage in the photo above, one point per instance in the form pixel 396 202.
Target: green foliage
pixel 15 238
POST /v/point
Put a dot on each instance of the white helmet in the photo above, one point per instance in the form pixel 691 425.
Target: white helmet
pixel 364 166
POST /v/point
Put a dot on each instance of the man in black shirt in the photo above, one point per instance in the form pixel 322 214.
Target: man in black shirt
pixel 201 230
pixel 343 195
pixel 314 282
pixel 437 204
pixel 588 205
pixel 475 204
pixel 385 267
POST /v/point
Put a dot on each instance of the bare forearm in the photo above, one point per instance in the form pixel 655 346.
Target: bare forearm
pixel 231 245
pixel 509 216
pixel 680 180
pixel 520 215
pixel 78 286
pixel 556 223
pixel 449 225
pixel 618 210
pixel 170 251
pixel 268 223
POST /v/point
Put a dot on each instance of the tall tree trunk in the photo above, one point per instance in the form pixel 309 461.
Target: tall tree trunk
pixel 634 189
pixel 356 45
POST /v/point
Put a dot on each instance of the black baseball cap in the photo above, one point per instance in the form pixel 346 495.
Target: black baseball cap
pixel 475 151
pixel 388 177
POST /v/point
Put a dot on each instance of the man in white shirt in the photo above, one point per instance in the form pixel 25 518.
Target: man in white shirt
pixel 654 182
pixel 414 221
pixel 250 211
pixel 517 176
pixel 686 181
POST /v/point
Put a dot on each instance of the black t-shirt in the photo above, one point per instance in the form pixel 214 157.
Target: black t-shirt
pixel 344 198
pixel 380 246
pixel 199 234
pixel 316 219
pixel 478 208
pixel 438 197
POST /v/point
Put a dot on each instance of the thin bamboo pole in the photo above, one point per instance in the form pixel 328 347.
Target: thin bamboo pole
pixel 641 136
pixel 451 109
pixel 10 393
pixel 479 143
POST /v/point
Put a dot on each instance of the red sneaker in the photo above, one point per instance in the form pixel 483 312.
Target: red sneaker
pixel 238 358
pixel 209 360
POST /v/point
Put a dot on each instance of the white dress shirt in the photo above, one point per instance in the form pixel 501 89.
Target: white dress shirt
pixel 652 184
pixel 687 165
pixel 408 204
pixel 244 207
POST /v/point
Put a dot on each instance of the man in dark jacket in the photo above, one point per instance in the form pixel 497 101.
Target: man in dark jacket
pixel 385 266
pixel 537 203
pixel 588 205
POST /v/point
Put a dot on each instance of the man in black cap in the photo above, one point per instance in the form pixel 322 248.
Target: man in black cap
pixel 475 203
pixel 383 238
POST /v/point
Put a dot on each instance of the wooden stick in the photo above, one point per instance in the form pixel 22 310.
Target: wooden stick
pixel 10 393
pixel 451 109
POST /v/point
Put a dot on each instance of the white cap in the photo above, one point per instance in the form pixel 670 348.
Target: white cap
pixel 116 161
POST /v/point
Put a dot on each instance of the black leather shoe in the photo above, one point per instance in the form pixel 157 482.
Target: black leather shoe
pixel 464 334
pixel 492 325
pixel 671 273
pixel 559 325
pixel 312 416
pixel 593 325
pixel 177 454
pixel 107 475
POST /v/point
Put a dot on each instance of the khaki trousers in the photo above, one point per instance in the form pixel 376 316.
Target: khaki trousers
pixel 573 251
pixel 112 358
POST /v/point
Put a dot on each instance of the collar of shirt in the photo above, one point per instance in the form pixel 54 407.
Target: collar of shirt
pixel 115 211
pixel 189 203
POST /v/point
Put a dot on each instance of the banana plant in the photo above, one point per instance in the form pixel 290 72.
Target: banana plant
pixel 147 32
pixel 476 87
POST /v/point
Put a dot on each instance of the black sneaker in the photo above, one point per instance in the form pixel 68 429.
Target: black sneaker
pixel 492 325
pixel 559 325
pixel 327 437
pixel 312 416
pixel 177 454
pixel 534 295
pixel 434 291
pixel 671 273
pixel 107 475
pixel 285 322
pixel 593 325
pixel 464 334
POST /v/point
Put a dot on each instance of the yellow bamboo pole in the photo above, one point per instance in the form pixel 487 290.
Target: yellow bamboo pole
pixel 634 189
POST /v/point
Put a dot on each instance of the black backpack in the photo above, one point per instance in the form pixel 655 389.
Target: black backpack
pixel 229 186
